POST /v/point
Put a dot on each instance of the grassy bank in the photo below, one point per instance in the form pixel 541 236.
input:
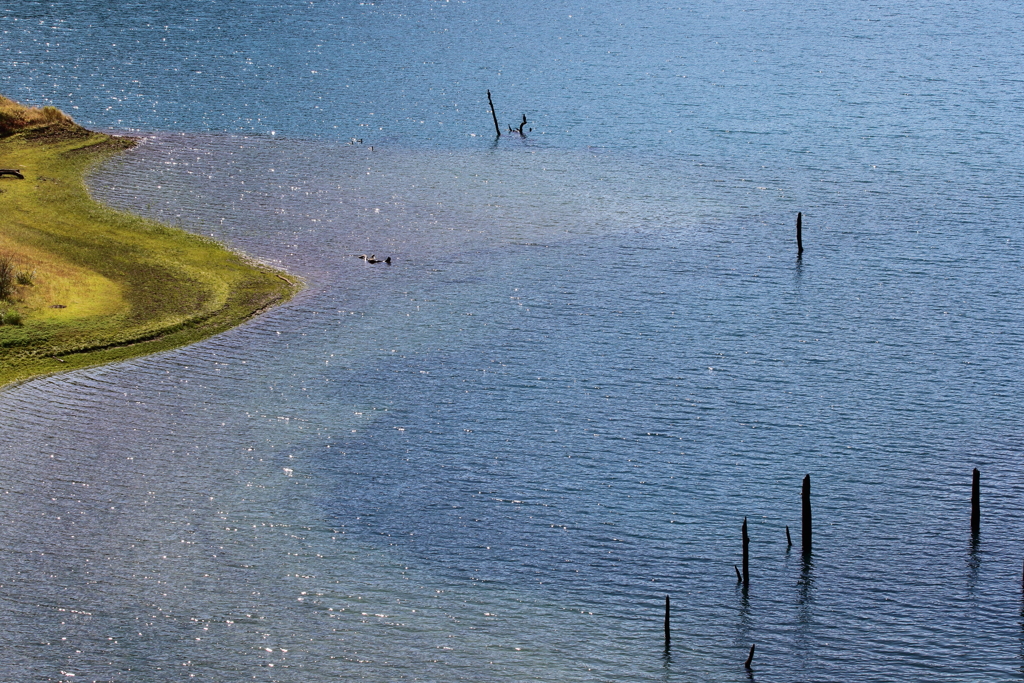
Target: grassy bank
pixel 99 285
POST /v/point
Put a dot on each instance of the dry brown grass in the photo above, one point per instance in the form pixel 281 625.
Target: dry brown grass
pixel 15 117
pixel 7 277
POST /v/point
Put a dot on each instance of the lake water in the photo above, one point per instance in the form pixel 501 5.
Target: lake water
pixel 594 354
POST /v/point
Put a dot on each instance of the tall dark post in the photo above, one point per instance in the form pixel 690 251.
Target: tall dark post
pixel 668 634
pixel 746 555
pixel 976 502
pixel 807 514
pixel 493 115
pixel 799 234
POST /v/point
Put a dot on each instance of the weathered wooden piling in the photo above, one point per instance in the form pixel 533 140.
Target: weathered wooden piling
pixel 668 633
pixel 976 502
pixel 807 514
pixel 789 539
pixel 750 657
pixel 493 114
pixel 746 555
pixel 799 234
pixel 739 577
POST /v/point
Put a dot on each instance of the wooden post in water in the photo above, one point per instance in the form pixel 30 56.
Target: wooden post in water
pixel 789 539
pixel 493 114
pixel 668 634
pixel 976 502
pixel 807 515
pixel 746 555
pixel 750 657
pixel 799 235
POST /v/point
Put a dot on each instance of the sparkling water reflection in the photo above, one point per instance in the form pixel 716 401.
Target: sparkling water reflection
pixel 593 355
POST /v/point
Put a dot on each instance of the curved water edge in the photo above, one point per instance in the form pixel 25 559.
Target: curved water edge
pixel 594 354
pixel 102 285
pixel 497 456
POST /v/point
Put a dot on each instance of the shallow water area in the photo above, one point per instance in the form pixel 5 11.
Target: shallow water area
pixel 593 355
pixel 540 419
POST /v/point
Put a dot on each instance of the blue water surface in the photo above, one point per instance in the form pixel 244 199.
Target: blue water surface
pixel 594 355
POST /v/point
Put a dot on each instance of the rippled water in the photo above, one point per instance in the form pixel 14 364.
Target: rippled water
pixel 595 352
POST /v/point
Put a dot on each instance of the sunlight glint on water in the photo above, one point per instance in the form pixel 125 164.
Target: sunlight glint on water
pixel 593 355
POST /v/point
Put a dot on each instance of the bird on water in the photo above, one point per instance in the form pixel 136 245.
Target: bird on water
pixel 372 258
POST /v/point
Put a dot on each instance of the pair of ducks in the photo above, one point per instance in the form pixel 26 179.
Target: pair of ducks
pixel 372 258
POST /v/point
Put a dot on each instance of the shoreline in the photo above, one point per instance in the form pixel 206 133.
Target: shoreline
pixel 107 285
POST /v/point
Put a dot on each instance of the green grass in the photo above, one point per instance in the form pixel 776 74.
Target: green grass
pixel 106 285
